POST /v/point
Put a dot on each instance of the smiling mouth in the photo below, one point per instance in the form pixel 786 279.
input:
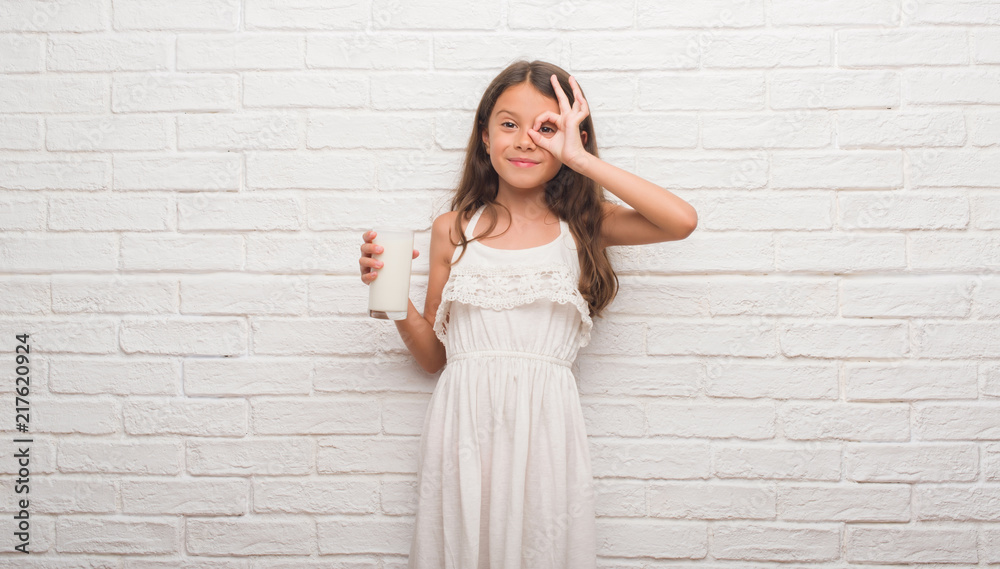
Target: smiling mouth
pixel 523 164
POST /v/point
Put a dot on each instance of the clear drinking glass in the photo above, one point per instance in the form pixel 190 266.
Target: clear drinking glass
pixel 389 293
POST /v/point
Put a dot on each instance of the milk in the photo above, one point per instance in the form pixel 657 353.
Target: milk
pixel 389 293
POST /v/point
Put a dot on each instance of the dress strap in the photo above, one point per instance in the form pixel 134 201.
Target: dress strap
pixel 472 222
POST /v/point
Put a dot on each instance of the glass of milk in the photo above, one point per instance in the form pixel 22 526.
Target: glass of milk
pixel 389 293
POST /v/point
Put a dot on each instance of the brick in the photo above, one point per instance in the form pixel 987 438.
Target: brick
pixel 21 53
pixel 426 91
pixel 54 93
pixel 399 497
pixel 652 538
pixel 176 14
pixel 844 502
pixel 107 52
pixel 737 91
pixel 361 211
pixel 188 497
pixel 366 130
pixel 424 14
pixel 910 544
pixel 184 336
pixel 651 376
pixel 291 336
pixel 109 133
pixel 417 169
pixel 911 462
pixel 770 130
pixel 248 376
pixel 466 51
pixel 764 49
pixel 707 14
pixel 368 454
pixel 22 214
pixel 45 16
pixel 928 296
pixel 120 457
pixel 377 50
pixel 656 50
pixel 244 131
pixel 243 294
pixel 761 541
pixel 312 416
pixel 745 252
pixel 778 460
pixel 25 294
pixel 58 252
pixel 185 416
pixel 834 90
pixel 719 337
pixel 844 339
pixel 223 212
pixel 187 171
pixel 131 376
pixel 984 127
pixel 742 170
pixel 648 130
pixel 55 172
pixel 649 458
pixel 328 495
pixel 20 133
pixel 972 12
pixel 170 91
pixel 711 500
pixel 182 252
pixel 956 252
pixel 845 421
pixel 956 503
pixel 65 495
pixel 951 86
pixel 114 213
pixel 771 210
pixel 894 129
pixel 107 535
pixel 986 45
pixel 748 378
pixel 857 169
pixel 250 51
pixel 902 47
pixel 910 382
pixel 291 89
pixel 305 15
pixel 827 12
pixel 250 535
pixel 75 415
pixel 255 456
pixel 936 167
pixel 936 421
pixel 619 498
pixel 326 170
pixel 364 535
pixel 606 418
pixel 841 252
pixel 404 415
pixel 743 420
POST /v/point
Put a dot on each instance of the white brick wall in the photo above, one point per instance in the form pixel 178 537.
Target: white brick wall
pixel 812 377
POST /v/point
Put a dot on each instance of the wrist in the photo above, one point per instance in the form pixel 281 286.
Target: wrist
pixel 582 163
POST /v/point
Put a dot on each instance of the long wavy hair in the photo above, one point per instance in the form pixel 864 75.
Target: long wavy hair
pixel 569 194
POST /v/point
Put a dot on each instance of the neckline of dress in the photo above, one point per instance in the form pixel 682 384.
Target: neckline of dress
pixel 479 241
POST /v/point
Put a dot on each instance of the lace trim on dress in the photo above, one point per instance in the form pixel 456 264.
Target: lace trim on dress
pixel 510 286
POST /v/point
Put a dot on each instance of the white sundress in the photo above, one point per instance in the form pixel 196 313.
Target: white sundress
pixel 504 479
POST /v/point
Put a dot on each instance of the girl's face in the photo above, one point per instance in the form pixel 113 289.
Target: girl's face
pixel 507 138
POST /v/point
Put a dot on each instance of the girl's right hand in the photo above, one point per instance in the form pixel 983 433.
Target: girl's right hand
pixel 367 262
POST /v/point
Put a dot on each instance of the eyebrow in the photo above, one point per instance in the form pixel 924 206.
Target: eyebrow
pixel 512 114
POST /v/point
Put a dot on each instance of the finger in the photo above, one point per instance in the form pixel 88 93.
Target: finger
pixel 547 116
pixel 560 95
pixel 369 235
pixel 371 249
pixel 578 95
pixel 416 253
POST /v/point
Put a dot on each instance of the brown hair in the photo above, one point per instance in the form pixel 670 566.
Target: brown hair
pixel 569 194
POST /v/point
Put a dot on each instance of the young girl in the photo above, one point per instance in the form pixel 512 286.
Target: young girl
pixel 504 477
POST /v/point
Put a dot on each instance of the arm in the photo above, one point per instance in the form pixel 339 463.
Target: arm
pixel 417 331
pixel 657 214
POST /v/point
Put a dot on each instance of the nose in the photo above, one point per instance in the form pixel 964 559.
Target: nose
pixel 523 140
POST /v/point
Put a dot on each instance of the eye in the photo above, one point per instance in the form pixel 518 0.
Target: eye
pixel 504 123
pixel 547 127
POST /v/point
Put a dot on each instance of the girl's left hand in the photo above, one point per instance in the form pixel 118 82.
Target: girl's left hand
pixel 566 144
